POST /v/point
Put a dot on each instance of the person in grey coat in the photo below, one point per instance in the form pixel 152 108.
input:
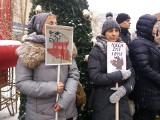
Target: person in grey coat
pixel 106 95
pixel 39 82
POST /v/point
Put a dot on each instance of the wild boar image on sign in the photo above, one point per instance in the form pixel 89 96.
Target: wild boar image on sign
pixel 116 56
pixel 59 43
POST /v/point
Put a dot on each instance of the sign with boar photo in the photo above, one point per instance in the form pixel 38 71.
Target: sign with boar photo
pixel 58 46
pixel 116 56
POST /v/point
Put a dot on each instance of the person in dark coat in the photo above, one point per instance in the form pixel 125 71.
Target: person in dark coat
pixel 124 21
pixel 104 97
pixel 145 58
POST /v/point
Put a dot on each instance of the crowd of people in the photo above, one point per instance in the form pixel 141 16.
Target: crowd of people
pixel 139 82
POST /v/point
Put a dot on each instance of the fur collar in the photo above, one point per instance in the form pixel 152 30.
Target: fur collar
pixel 31 53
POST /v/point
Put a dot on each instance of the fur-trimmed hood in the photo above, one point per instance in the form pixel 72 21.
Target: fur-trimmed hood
pixel 31 53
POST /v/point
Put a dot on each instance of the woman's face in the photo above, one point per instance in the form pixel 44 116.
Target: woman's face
pixel 156 34
pixel 50 20
pixel 154 30
pixel 112 34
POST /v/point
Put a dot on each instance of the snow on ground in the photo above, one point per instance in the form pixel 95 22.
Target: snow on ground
pixel 8 92
pixel 4 114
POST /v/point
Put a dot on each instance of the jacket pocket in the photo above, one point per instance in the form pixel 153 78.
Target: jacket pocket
pixel 45 109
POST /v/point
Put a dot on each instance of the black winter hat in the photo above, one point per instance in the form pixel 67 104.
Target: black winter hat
pixel 108 24
pixel 122 17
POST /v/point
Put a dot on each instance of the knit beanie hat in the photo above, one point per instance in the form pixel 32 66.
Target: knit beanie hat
pixel 108 24
pixel 122 17
pixel 37 21
pixel 109 14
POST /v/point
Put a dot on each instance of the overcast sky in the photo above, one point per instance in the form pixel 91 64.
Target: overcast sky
pixel 133 7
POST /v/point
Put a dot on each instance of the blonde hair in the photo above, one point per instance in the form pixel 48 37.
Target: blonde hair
pixel 74 52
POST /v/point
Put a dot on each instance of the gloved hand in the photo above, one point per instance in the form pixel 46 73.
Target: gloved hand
pixel 116 96
pixel 126 74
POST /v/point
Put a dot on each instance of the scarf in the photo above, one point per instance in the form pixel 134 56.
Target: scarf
pixel 35 38
pixel 101 42
pixel 124 31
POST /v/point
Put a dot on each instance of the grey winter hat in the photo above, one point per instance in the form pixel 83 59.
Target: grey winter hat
pixel 109 14
pixel 37 21
pixel 108 24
